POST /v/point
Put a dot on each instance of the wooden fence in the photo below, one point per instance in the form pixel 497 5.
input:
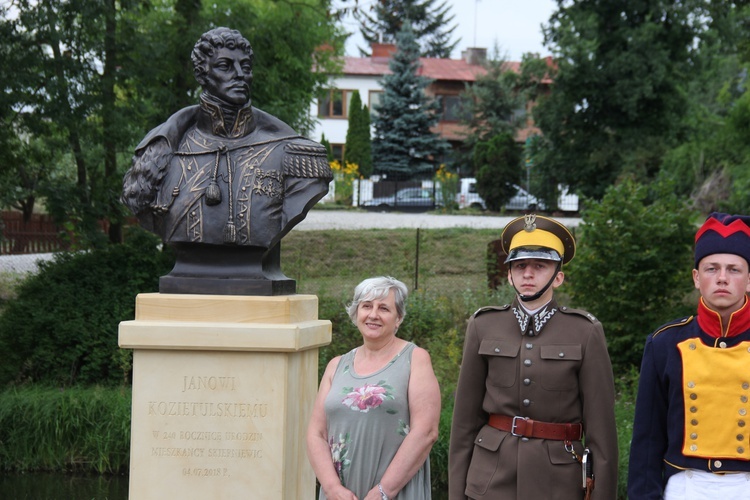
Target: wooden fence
pixel 39 235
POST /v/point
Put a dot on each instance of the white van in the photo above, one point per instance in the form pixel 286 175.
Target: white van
pixel 467 195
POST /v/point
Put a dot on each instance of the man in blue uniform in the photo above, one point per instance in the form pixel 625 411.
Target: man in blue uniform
pixel 691 435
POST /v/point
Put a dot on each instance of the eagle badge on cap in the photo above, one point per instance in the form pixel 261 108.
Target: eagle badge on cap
pixel 529 222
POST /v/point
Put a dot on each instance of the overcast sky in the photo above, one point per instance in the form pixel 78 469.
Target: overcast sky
pixel 515 25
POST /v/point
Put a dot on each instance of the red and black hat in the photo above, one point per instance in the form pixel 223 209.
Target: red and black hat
pixel 723 233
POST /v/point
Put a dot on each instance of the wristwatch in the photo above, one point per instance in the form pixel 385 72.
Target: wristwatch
pixel 383 496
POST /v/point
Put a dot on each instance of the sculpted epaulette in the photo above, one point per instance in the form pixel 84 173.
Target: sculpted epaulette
pixel 485 309
pixel 672 324
pixel 579 312
pixel 306 159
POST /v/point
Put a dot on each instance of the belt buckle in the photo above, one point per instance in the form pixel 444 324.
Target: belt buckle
pixel 514 426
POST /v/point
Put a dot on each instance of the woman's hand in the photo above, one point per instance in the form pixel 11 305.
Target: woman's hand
pixel 338 492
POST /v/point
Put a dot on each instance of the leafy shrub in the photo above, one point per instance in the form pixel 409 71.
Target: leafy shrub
pixel 62 326
pixel 632 269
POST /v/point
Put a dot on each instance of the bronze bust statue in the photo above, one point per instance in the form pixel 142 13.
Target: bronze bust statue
pixel 222 181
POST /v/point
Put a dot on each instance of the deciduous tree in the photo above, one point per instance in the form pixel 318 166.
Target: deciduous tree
pixel 618 98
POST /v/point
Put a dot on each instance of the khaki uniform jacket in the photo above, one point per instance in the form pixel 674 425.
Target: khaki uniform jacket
pixel 550 367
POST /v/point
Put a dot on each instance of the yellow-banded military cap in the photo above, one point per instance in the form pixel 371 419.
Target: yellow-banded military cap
pixel 537 237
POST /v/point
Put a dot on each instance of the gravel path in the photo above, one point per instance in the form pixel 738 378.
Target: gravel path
pixel 332 219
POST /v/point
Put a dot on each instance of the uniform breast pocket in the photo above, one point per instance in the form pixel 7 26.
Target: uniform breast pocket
pixel 502 362
pixel 561 364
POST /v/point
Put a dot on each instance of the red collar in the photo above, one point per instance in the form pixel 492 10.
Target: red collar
pixel 710 321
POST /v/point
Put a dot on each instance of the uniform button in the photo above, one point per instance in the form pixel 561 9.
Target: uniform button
pixel 740 449
pixel 244 188
pixel 693 409
pixel 694 422
pixel 497 349
pixel 530 334
pixel 723 345
pixel 529 346
pixel 527 362
pixel 745 385
pixel 691 346
pixel 740 423
pixel 743 412
pixel 479 440
pixel 743 399
pixel 561 355
pixel 693 396
pixel 526 402
pixel 524 439
pixel 691 384
pixel 740 437
pixel 718 464
pixel 693 436
pixel 563 308
pixel 693 447
pixel 527 381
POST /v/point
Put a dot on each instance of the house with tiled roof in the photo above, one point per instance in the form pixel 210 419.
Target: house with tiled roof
pixel 449 79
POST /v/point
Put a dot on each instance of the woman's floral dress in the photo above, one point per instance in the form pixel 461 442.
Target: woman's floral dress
pixel 368 419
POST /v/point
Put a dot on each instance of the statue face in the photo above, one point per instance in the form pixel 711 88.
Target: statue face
pixel 229 76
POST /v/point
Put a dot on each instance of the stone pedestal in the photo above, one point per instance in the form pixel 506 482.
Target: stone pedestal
pixel 223 388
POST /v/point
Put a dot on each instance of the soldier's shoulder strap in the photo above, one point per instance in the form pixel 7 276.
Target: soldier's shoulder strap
pixel 487 309
pixel 673 324
pixel 579 312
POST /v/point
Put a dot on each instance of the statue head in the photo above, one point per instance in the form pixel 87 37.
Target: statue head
pixel 223 65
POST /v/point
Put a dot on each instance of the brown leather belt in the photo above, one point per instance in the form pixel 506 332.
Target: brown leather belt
pixel 520 426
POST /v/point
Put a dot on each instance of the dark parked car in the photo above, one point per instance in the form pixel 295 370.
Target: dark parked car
pixel 406 199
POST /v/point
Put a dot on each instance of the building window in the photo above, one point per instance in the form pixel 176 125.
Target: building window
pixel 375 97
pixel 451 108
pixel 334 103
pixel 338 152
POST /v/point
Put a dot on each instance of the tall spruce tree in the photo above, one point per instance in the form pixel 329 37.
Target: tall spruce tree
pixel 403 146
pixel 429 21
pixel 358 148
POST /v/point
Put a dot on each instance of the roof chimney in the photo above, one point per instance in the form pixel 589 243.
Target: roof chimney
pixel 474 56
pixel 382 49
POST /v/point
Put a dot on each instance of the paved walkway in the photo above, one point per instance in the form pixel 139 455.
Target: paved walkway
pixel 333 219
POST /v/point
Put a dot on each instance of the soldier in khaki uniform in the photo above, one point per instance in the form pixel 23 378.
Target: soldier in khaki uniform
pixel 536 393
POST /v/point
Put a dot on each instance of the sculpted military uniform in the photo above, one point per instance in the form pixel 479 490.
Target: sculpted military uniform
pixel 535 394
pixel 223 182
pixel 537 367
pixel 257 179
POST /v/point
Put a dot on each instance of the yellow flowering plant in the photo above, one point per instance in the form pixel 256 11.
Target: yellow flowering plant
pixel 344 175
pixel 448 182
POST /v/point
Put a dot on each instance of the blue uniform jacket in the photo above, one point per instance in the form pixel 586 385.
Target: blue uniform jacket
pixel 659 428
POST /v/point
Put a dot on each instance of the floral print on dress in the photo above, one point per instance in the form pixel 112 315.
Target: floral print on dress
pixel 339 451
pixel 367 397
pixel 403 428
